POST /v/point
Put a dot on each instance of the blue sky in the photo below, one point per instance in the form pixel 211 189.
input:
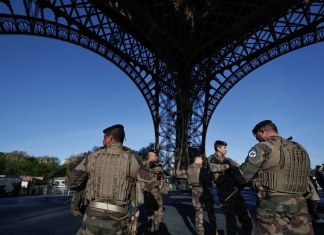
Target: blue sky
pixel 56 98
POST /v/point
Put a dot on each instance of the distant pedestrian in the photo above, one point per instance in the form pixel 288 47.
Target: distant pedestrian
pixel 279 170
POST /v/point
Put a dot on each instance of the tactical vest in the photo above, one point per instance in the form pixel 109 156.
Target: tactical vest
pixel 110 176
pixel 193 173
pixel 290 175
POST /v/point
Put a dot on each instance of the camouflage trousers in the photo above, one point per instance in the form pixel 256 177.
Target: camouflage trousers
pixel 98 222
pixel 203 198
pixel 154 210
pixel 283 214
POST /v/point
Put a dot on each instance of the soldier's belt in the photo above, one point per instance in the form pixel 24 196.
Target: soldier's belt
pixel 267 194
pixel 108 207
pixel 195 185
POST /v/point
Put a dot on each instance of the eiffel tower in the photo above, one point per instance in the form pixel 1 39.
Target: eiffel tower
pixel 183 55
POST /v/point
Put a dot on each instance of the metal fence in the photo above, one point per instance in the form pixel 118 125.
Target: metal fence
pixel 177 183
pixel 174 183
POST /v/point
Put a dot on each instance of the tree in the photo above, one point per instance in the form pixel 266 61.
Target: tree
pixel 143 152
pixel 3 163
pixel 20 163
pixel 14 162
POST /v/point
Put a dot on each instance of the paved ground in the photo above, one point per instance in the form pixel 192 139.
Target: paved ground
pixel 49 215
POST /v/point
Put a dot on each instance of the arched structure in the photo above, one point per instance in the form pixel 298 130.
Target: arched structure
pixel 184 56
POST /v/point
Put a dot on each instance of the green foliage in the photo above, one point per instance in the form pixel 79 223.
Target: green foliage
pixel 3 164
pixel 143 152
pixel 38 169
pixel 20 163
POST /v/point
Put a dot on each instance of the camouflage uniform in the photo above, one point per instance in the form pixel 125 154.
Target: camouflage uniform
pixel 153 200
pixel 228 190
pixel 279 168
pixel 201 196
pixel 109 208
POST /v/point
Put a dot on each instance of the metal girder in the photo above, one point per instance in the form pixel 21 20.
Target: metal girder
pixel 184 56
pixel 298 28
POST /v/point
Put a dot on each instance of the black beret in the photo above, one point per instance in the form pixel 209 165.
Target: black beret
pixel 113 127
pixel 260 125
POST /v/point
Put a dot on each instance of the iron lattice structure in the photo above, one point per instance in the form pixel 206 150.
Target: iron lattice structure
pixel 184 56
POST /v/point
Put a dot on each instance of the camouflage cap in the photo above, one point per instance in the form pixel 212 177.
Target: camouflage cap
pixel 260 125
pixel 108 129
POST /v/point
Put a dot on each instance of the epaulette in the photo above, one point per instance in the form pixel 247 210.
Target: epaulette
pixel 127 149
pixel 130 151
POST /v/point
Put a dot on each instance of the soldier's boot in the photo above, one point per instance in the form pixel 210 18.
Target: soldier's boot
pixel 158 232
pixel 200 232
pixel 219 232
pixel 152 233
pixel 215 230
pixel 156 226
pixel 153 227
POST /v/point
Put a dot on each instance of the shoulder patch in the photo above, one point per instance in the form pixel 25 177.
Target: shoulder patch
pixel 252 154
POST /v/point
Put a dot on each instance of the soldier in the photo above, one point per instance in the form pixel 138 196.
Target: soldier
pixel 200 184
pixel 319 175
pixel 107 178
pixel 312 200
pixel 153 200
pixel 227 180
pixel 278 169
